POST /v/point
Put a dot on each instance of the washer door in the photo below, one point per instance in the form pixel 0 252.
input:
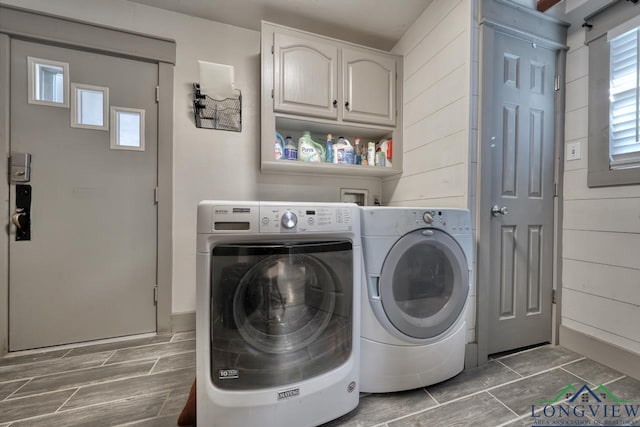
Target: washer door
pixel 280 312
pixel 424 283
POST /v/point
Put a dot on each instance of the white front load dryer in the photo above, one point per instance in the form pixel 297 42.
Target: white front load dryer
pixel 415 293
pixel 277 313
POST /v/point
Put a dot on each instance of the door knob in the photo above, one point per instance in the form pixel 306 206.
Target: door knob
pixel 346 105
pixel 496 210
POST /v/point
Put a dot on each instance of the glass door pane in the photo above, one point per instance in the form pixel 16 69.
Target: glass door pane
pixel 424 283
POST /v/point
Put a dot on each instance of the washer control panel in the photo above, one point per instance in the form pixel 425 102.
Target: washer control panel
pixel 283 219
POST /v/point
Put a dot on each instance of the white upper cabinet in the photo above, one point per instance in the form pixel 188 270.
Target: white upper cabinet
pixel 306 80
pixel 369 82
pixel 305 76
pixel 317 84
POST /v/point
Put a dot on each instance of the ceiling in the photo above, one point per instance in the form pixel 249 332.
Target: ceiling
pixel 374 23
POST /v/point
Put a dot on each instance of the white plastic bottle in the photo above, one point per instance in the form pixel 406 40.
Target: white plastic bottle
pixel 344 151
pixel 386 146
pixel 290 149
pixel 371 153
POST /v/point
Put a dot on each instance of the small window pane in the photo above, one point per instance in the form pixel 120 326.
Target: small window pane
pixel 48 82
pixel 127 129
pixel 89 105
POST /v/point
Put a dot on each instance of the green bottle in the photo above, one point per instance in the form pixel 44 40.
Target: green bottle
pixel 309 150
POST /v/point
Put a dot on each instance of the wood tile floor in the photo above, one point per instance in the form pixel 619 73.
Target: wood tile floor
pixel 139 382
pixel 145 382
pixel 499 394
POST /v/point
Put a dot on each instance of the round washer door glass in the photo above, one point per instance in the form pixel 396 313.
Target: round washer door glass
pixel 424 283
pixel 280 312
pixel 284 303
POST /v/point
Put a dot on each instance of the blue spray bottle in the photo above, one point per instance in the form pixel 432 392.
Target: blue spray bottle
pixel 329 148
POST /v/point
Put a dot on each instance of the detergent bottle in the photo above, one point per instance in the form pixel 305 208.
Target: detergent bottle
pixel 290 150
pixel 309 150
pixel 344 151
pixel 349 153
pixel 279 148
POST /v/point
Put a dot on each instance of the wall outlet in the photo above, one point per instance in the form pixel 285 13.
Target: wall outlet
pixel 573 151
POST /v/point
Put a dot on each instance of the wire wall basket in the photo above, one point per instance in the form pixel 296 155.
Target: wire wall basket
pixel 220 114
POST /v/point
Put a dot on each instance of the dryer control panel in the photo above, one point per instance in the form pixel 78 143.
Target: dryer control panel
pixel 446 219
pixel 304 219
pixel 395 221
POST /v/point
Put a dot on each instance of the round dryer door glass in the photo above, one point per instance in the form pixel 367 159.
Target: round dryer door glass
pixel 281 312
pixel 424 283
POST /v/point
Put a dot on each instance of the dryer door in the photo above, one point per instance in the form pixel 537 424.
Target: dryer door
pixel 424 283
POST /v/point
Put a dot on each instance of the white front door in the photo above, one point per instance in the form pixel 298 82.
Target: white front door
pixel 88 270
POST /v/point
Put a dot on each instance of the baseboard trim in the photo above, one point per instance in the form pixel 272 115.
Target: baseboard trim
pixel 181 322
pixel 608 354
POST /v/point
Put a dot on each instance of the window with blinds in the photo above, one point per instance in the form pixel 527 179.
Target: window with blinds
pixel 624 96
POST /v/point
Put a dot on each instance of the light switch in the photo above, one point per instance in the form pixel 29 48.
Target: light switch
pixel 573 151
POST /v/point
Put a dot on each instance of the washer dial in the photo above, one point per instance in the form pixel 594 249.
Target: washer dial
pixel 289 220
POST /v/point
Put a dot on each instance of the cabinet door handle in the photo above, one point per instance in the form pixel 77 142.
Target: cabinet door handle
pixel 346 105
pixel 335 102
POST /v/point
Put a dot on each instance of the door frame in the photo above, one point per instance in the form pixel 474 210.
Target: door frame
pixel 548 32
pixel 43 28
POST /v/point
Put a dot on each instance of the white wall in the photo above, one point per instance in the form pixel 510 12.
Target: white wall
pixel 436 115
pixel 436 100
pixel 573 4
pixel 208 164
pixel 601 231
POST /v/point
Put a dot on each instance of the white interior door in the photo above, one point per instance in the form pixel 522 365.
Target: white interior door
pixel 89 269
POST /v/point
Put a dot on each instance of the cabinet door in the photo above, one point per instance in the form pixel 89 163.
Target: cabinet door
pixel 305 76
pixel 369 82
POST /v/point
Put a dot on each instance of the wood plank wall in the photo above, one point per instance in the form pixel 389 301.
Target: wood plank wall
pixel 601 232
pixel 436 52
